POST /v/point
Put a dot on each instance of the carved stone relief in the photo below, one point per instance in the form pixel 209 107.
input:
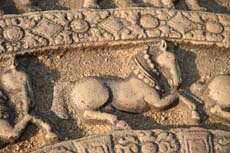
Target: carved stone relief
pixel 16 91
pixel 191 4
pixel 218 92
pixel 194 140
pixel 156 60
pixel 100 26
pixel 138 93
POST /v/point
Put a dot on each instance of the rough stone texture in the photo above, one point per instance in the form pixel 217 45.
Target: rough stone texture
pixel 193 140
pixel 70 29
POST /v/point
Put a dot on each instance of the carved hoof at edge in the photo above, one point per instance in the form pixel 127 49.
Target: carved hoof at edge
pixel 195 118
pixel 51 138
pixel 122 125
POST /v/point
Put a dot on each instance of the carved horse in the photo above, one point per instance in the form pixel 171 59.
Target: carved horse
pixel 192 4
pixel 27 5
pixel 16 91
pixel 138 93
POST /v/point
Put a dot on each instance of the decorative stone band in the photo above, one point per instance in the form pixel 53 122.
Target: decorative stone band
pixel 71 29
pixel 193 140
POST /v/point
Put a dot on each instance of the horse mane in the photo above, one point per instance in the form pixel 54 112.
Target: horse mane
pixel 145 68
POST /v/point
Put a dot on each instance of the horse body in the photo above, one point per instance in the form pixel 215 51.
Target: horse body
pixel 133 95
pixel 128 95
pixel 137 93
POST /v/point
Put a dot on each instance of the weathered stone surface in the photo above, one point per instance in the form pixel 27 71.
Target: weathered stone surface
pixel 71 29
pixel 193 140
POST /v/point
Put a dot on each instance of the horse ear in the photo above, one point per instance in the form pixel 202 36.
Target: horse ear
pixel 163 45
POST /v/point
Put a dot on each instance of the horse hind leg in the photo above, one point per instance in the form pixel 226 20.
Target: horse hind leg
pixel 125 3
pixel 168 4
pixel 90 4
pixel 193 5
pixel 110 118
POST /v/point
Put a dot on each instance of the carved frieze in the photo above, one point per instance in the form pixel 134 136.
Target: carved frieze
pixel 193 140
pixel 64 29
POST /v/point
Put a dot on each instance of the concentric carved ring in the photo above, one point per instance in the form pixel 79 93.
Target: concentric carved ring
pixel 80 25
pixel 13 33
pixel 214 27
pixel 149 21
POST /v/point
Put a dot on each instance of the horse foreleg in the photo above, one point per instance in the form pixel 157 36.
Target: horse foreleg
pixel 112 119
pixel 192 106
pixel 161 104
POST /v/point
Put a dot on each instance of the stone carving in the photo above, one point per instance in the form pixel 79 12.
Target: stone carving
pixel 28 32
pixel 100 145
pixel 223 144
pixel 119 3
pixel 193 140
pixel 218 90
pixel 196 141
pixel 147 142
pixel 16 96
pixel 25 5
pixel 192 4
pixel 137 93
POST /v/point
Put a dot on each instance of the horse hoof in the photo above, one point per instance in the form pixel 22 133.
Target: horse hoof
pixel 92 6
pixel 122 125
pixel 51 138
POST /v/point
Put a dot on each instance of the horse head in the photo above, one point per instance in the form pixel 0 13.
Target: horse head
pixel 148 64
pixel 168 61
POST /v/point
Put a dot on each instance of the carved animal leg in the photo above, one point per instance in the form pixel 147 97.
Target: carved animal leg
pixel 195 115
pixel 168 4
pixel 14 134
pixel 25 6
pixel 90 4
pixel 125 3
pixel 50 136
pixel 193 5
pixel 112 119
pixel 18 129
pixel 162 103
pixel 218 112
